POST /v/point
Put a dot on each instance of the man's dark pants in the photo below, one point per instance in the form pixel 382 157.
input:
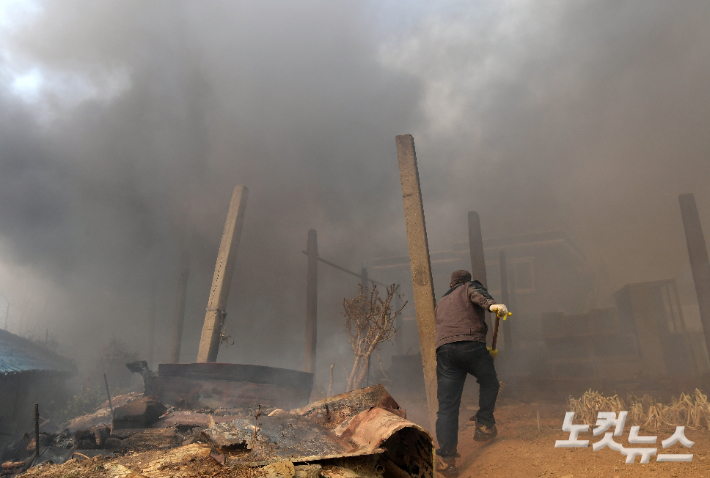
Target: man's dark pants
pixel 453 362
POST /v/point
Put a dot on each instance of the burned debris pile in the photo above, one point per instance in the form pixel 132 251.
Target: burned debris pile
pixel 360 433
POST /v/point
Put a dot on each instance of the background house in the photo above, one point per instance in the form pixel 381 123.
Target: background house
pixel 558 330
pixel 29 374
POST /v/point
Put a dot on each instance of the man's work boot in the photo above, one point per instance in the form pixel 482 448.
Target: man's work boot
pixel 446 465
pixel 484 432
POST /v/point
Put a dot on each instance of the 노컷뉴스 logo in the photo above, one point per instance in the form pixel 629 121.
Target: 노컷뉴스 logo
pixel 606 420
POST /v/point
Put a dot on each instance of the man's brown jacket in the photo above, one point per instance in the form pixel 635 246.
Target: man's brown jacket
pixel 460 314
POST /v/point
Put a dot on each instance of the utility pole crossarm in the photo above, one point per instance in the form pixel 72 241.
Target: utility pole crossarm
pixel 343 269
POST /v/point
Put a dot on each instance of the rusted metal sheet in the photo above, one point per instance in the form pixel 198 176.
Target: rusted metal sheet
pixel 193 393
pixel 18 354
pixel 399 441
pixel 369 430
pixel 282 435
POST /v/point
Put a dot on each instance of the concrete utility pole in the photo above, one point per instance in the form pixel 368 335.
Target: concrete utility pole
pixel 179 316
pixel 217 304
pixel 7 309
pixel 698 254
pixel 505 297
pixel 424 301
pixel 151 325
pixel 363 276
pixel 475 244
pixel 312 301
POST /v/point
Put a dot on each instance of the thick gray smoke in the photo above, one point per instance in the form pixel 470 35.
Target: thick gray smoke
pixel 124 126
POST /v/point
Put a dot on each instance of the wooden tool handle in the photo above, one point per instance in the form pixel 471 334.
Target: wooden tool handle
pixel 495 333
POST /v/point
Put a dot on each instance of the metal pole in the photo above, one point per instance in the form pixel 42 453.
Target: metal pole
pixel 698 255
pixel 222 279
pixel 109 395
pixel 420 262
pixel 312 301
pixel 36 431
pixel 505 297
pixel 151 325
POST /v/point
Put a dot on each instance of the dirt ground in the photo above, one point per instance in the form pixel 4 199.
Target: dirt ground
pixel 523 450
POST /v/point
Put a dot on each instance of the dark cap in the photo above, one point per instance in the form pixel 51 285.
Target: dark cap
pixel 460 276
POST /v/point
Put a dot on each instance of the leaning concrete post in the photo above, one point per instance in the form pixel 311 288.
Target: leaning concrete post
pixel 475 244
pixel 217 304
pixel 312 301
pixel 424 301
pixel 151 326
pixel 179 317
pixel 505 297
pixel 698 254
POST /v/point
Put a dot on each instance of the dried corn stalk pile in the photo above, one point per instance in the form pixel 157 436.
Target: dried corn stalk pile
pixel 690 410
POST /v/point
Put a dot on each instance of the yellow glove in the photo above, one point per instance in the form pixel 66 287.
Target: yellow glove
pixel 501 311
pixel 494 353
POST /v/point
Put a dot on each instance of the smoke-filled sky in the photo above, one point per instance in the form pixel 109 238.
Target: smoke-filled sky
pixel 124 126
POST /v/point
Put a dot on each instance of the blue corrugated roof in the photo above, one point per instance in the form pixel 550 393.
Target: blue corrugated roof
pixel 18 354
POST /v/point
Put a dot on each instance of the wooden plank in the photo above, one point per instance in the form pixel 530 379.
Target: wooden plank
pixel 217 304
pixel 424 300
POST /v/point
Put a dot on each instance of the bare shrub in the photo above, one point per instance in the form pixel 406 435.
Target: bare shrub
pixel 369 321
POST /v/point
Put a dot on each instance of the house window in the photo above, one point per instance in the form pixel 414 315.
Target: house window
pixel 524 277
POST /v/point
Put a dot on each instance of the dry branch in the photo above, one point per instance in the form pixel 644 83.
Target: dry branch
pixel 369 321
